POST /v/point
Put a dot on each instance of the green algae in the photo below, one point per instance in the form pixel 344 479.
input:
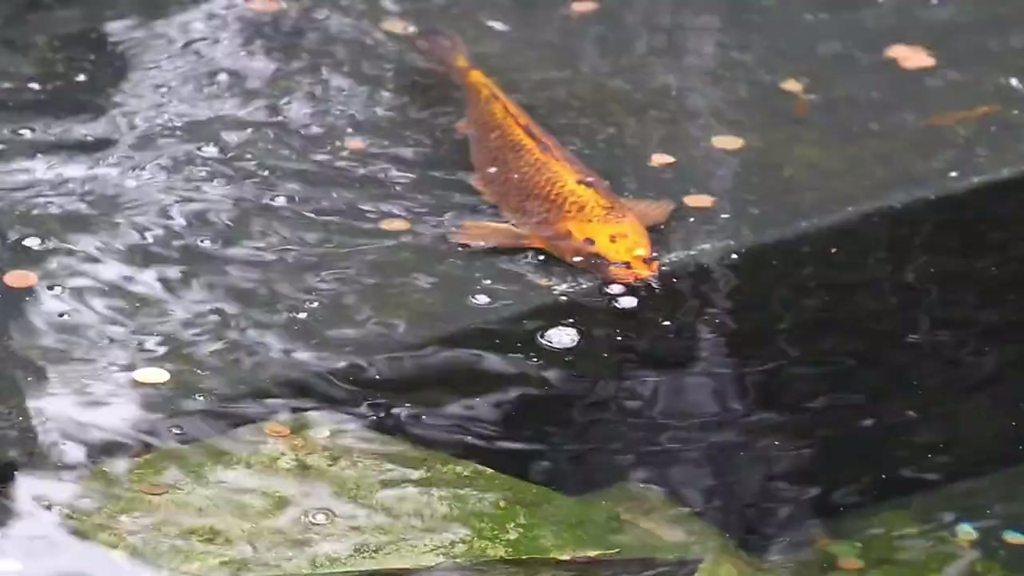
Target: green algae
pixel 243 503
pixel 916 535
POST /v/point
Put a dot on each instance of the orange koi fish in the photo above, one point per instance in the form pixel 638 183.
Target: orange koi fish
pixel 551 200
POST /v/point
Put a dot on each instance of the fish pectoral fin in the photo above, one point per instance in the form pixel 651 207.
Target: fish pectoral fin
pixel 477 182
pixel 650 212
pixel 481 234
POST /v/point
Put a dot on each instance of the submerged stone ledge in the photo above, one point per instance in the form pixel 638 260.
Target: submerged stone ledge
pixel 322 494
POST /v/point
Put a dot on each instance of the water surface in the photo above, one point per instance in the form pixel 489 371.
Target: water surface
pixel 176 173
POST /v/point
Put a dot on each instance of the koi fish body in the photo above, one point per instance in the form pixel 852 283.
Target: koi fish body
pixel 551 199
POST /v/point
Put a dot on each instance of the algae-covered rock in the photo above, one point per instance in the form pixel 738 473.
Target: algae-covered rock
pixel 678 529
pixel 953 531
pixel 332 496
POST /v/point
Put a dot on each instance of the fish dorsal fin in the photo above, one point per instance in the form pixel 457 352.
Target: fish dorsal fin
pixel 650 212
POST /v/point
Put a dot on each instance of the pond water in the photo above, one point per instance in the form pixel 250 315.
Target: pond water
pixel 176 172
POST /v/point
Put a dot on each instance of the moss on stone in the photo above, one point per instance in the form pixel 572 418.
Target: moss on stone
pixel 356 500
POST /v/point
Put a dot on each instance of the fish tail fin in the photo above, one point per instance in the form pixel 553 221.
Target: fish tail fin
pixel 445 50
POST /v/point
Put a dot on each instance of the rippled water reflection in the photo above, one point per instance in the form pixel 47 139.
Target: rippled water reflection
pixel 177 173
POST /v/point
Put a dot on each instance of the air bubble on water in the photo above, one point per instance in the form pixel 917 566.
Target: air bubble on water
pixel 204 242
pixel 25 131
pixel 176 429
pixel 319 433
pixel 480 300
pixel 32 242
pixel 577 258
pixel 36 86
pixel 300 315
pixel 497 25
pixel 56 289
pixel 626 302
pixel 209 150
pixel 63 315
pixel 81 77
pixel 199 396
pixel 318 516
pixel 953 174
pixel 615 289
pixel 311 304
pixel 279 200
pixel 1015 83
pixel 559 338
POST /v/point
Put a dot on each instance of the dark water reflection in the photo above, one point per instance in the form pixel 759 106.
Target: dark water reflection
pixel 175 171
pixel 797 381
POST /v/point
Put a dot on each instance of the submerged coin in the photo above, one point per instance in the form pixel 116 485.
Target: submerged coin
pixel 661 159
pixel 153 489
pixel 965 532
pixel 20 279
pixel 277 430
pixel 1013 537
pixel 318 516
pixel 394 224
pixel 151 375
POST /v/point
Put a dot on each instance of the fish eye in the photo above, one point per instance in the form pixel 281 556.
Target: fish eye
pixel 613 238
pixel 589 241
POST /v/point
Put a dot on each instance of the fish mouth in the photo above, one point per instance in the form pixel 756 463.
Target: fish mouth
pixel 624 275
